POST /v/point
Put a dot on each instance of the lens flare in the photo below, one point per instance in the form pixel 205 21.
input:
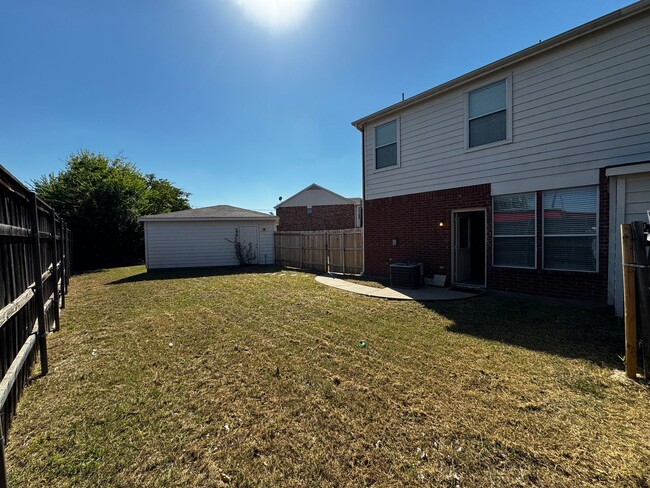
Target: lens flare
pixel 276 14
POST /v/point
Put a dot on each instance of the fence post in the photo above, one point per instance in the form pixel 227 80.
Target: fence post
pixel 55 271
pixel 38 284
pixel 343 250
pixel 629 296
pixel 302 248
pixel 3 467
pixel 64 273
pixel 643 288
pixel 68 257
pixel 69 254
pixel 326 238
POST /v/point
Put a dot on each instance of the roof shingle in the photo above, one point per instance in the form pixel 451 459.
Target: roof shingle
pixel 215 212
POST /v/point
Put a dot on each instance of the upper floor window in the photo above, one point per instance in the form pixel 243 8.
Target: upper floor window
pixel 386 145
pixel 488 114
pixel 571 229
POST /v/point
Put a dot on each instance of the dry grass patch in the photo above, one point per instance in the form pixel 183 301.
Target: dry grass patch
pixel 257 379
pixel 359 280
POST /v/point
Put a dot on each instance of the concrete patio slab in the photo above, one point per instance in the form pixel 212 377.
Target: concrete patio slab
pixel 424 294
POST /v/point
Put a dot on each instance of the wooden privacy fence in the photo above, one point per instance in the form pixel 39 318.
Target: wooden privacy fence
pixel 34 277
pixel 329 251
pixel 636 291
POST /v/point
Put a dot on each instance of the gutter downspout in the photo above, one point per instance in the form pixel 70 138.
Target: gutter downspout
pixel 363 199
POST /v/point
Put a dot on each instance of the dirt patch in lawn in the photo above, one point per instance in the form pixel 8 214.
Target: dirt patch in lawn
pixel 258 379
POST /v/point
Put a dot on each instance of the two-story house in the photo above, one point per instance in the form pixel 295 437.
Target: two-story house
pixel 317 208
pixel 517 176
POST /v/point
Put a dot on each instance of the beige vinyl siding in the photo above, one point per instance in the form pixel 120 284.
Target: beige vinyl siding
pixel 201 243
pixel 575 109
pixel 629 202
pixel 637 197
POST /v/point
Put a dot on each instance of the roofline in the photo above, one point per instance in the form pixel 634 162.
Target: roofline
pixel 551 43
pixel 196 219
pixel 320 188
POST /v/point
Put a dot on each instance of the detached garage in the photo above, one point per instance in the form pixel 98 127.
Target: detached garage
pixel 202 237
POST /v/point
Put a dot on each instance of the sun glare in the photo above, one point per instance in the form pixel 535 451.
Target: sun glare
pixel 276 14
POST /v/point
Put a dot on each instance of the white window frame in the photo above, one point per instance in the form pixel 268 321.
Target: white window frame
pixel 398 164
pixel 508 139
pixel 596 235
pixel 501 266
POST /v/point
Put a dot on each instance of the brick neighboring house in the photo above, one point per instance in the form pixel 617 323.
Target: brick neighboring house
pixel 517 175
pixel 317 208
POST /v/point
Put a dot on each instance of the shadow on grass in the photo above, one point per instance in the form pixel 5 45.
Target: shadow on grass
pixel 575 332
pixel 183 273
pixel 89 271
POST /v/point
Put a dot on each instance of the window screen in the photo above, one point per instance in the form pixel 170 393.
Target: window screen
pixel 513 221
pixel 571 229
pixel 487 114
pixel 386 145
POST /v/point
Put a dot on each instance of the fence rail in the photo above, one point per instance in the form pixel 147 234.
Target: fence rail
pixel 34 278
pixel 331 251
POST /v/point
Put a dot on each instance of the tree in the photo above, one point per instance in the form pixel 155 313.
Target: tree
pixel 163 197
pixel 102 198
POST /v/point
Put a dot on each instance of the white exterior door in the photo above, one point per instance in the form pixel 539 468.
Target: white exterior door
pixel 249 234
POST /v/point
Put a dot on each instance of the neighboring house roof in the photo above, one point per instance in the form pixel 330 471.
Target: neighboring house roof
pixel 216 212
pixel 356 200
pixel 319 196
pixel 534 50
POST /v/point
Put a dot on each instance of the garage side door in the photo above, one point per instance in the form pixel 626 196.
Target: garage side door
pixel 249 234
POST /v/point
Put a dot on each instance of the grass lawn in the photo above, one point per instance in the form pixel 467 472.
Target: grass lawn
pixel 257 379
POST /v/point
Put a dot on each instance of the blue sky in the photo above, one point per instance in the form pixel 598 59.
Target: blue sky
pixel 229 107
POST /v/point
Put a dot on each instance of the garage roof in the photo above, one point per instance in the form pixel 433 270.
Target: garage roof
pixel 216 212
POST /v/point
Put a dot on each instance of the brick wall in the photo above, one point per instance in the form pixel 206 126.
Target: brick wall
pixel 413 220
pixel 324 217
pixel 561 284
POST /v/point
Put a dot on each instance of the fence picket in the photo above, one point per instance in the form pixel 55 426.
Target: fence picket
pixel 338 251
